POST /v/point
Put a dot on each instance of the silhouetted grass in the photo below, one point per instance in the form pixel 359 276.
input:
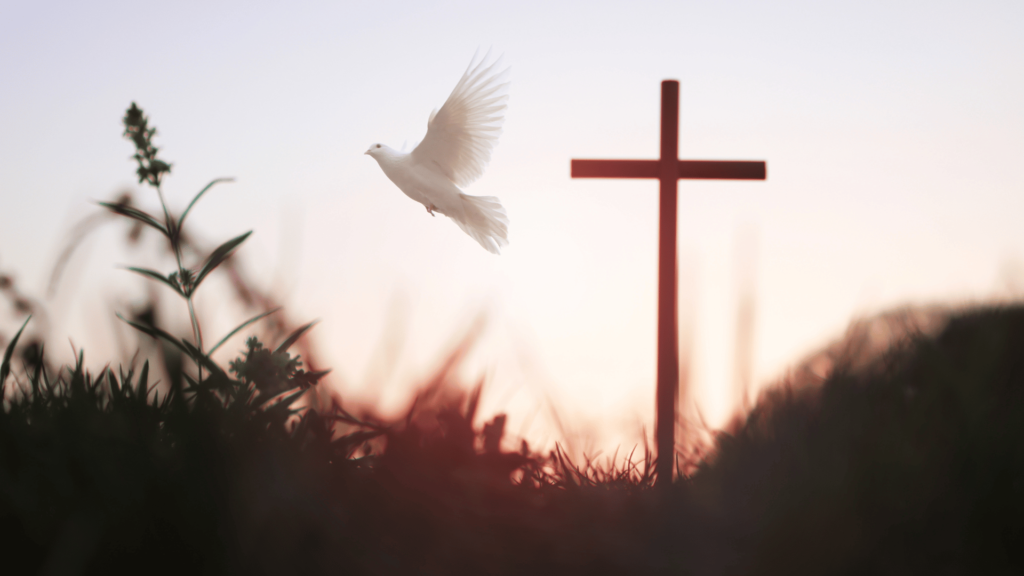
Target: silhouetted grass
pixel 909 461
pixel 911 464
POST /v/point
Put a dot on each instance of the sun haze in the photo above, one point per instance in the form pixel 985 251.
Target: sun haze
pixel 892 132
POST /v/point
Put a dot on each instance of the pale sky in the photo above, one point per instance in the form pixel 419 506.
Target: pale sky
pixel 893 132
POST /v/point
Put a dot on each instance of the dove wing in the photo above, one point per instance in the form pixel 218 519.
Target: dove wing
pixel 461 135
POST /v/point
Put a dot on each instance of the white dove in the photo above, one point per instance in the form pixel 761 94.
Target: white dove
pixel 454 153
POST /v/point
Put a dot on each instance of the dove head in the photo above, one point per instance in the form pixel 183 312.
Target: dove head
pixel 379 150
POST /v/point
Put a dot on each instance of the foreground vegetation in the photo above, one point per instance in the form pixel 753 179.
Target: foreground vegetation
pixel 914 463
pixel 905 462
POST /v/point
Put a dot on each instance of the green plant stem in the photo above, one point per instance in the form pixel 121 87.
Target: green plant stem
pixel 167 221
pixel 196 333
pixel 174 237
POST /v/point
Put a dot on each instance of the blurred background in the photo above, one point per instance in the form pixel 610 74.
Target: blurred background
pixel 893 133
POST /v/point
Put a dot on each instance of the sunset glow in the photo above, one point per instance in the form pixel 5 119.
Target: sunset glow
pixel 892 131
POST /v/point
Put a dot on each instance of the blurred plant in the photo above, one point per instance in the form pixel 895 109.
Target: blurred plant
pixel 19 301
pixel 105 458
pixel 184 281
pixel 186 247
pixel 23 306
pixel 136 127
pixel 274 372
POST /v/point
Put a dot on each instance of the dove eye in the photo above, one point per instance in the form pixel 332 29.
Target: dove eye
pixel 378 145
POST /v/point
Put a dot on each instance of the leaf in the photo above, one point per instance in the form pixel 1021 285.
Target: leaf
pixel 181 221
pixel 135 214
pixel 315 375
pixel 191 350
pixel 158 276
pixel 307 379
pixel 280 404
pixel 240 327
pixel 291 339
pixel 200 358
pixel 219 255
pixel 203 392
pixel 5 367
pixel 155 333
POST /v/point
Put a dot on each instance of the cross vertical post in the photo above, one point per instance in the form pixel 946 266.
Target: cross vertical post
pixel 668 275
pixel 668 170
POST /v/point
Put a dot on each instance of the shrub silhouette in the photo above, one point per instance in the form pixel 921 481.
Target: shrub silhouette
pixel 911 462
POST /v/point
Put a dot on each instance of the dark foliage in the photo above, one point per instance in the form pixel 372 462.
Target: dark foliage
pixel 913 463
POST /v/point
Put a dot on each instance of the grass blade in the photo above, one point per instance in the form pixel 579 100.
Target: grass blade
pixel 181 221
pixel 142 386
pixel 159 277
pixel 135 214
pixel 294 337
pixel 219 255
pixel 240 328
pixel 5 367
pixel 115 388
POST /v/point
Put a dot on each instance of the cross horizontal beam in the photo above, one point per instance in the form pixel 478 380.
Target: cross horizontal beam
pixel 688 169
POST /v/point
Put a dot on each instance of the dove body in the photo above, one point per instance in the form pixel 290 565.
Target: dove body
pixel 428 187
pixel 454 153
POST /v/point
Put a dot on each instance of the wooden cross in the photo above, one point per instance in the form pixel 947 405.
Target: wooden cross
pixel 668 170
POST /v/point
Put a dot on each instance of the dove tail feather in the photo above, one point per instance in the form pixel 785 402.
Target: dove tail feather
pixel 485 220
